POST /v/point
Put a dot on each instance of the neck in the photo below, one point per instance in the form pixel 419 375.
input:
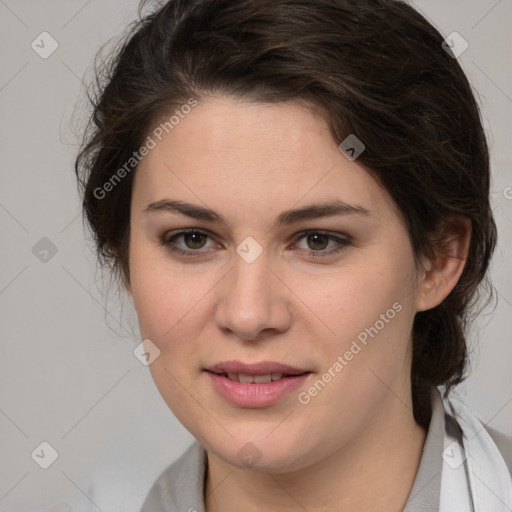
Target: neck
pixel 374 471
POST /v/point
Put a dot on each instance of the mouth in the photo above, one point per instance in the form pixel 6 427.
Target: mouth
pixel 255 385
pixel 257 373
pixel 256 378
pixel 256 389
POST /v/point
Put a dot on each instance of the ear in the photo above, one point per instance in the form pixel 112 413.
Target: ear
pixel 440 274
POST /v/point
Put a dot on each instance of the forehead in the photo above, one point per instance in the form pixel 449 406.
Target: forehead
pixel 261 158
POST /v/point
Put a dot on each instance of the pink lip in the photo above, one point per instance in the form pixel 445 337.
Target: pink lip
pixel 260 368
pixel 254 395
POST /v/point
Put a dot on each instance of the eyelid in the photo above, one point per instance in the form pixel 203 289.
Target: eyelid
pixel 169 235
pixel 335 236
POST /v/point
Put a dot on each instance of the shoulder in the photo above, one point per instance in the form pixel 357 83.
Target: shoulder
pixel 179 486
pixel 503 443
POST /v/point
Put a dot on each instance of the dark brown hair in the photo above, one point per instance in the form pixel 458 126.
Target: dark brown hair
pixel 377 67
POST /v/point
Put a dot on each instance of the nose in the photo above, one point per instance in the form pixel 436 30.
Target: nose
pixel 252 301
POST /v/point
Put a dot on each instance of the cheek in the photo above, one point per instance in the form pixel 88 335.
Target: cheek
pixel 157 308
pixel 172 305
pixel 353 299
pixel 169 308
pixel 369 312
pixel 165 303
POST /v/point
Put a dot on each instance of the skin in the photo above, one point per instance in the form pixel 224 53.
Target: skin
pixel 354 446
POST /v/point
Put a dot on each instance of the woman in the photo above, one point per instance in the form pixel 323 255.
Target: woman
pixel 295 195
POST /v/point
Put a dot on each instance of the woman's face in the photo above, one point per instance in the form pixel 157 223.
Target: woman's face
pixel 270 277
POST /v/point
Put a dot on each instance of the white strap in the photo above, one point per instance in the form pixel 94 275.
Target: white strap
pixel 475 477
pixel 454 483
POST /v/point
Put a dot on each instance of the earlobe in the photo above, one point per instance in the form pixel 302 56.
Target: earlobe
pixel 442 273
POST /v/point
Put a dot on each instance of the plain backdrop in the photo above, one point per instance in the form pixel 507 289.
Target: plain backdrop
pixel 68 375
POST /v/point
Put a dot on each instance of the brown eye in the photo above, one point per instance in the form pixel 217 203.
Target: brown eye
pixel 188 243
pixel 317 241
pixel 320 244
pixel 194 240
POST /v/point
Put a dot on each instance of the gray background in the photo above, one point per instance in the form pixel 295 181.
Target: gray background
pixel 68 375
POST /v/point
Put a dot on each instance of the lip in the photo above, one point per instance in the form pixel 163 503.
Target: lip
pixel 255 395
pixel 260 368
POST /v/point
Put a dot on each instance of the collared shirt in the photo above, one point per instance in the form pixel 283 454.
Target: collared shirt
pixel 180 488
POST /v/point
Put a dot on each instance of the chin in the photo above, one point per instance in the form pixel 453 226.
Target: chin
pixel 278 455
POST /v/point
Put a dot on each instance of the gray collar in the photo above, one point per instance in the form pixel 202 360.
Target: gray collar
pixel 426 489
pixel 180 487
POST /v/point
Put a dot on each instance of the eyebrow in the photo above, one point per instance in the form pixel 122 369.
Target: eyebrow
pixel 313 211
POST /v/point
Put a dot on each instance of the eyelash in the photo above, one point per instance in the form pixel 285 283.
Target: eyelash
pixel 168 242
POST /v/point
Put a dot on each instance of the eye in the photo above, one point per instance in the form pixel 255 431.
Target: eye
pixel 318 241
pixel 193 241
